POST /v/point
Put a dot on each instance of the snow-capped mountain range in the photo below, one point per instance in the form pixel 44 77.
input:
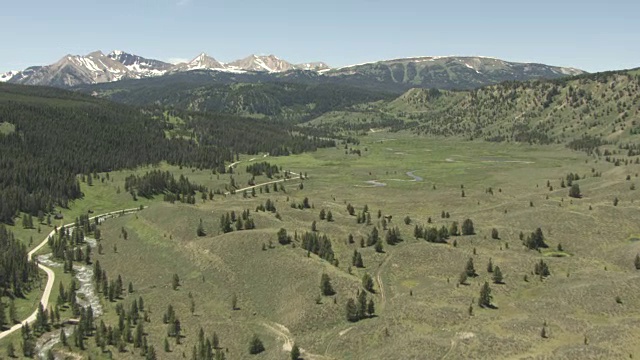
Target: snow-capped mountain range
pixel 442 72
pixel 96 67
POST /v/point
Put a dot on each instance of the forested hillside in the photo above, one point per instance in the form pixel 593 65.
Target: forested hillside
pixel 604 106
pixel 592 108
pixel 284 101
pixel 53 135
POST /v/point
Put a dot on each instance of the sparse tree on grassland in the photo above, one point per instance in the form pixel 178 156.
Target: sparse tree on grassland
pixel 636 262
pixel 351 310
pixel 256 346
pixel 574 191
pixel 467 227
pixel 367 282
pixel 325 285
pixel 497 275
pixel 469 268
pixel 175 282
pixel 295 352
pixel 485 296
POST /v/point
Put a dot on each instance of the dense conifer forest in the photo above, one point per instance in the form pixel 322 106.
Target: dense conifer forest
pixel 58 134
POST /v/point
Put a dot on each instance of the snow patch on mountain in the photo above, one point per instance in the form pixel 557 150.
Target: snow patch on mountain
pixel 8 76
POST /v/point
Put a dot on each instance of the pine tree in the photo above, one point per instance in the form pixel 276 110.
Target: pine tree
pixel 200 231
pixel 325 286
pixel 367 282
pixel 234 302
pixel 469 268
pixel 485 296
pixel 371 309
pixel 323 214
pixel 3 315
pixel 490 266
pixel 453 229
pixel 462 279
pixel 497 275
pixel 175 282
pixel 11 350
pixel 379 248
pixel 351 311
pixel 166 345
pixel 329 216
pixel 255 346
pixel 574 191
pixel 636 262
pixel 295 352
pixel 151 353
pixel 467 227
pixel 494 234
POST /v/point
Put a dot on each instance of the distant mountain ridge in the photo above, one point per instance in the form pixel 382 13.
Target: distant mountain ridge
pixel 396 75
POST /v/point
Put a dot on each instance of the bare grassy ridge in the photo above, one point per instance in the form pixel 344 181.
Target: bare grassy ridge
pixel 279 285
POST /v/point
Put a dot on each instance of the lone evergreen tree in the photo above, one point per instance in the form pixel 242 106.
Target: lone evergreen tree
pixel 351 311
pixel 234 302
pixel 494 234
pixel 469 268
pixel 636 262
pixel 200 230
pixel 256 346
pixel 467 227
pixel 497 275
pixel 367 282
pixel 325 285
pixel 485 296
pixel 574 191
pixel 295 352
pixel 175 281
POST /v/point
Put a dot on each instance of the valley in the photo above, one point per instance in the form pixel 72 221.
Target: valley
pixel 421 310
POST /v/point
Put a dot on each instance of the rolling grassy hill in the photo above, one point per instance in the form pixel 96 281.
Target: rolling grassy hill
pixel 604 106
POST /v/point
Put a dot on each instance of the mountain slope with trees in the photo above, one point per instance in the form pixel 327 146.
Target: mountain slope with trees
pixel 59 134
pixel 582 111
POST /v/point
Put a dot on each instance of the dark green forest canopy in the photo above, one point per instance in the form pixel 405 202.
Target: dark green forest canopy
pixel 296 102
pixel 59 134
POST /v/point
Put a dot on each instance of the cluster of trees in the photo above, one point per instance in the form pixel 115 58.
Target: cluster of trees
pixel 535 240
pixel 433 234
pixel 59 134
pixel 319 245
pixel 326 215
pixel 207 348
pixel 359 308
pixel 541 268
pixel 242 222
pixel 305 204
pixel 268 205
pixel 157 182
pixel 259 168
pixel 17 274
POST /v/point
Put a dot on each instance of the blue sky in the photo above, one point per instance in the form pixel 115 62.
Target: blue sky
pixel 591 36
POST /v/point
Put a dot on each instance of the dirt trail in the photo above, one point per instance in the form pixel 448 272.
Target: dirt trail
pixel 295 177
pixel 379 279
pixel 284 334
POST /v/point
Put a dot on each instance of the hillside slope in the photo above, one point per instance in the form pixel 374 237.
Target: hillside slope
pixel 604 106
